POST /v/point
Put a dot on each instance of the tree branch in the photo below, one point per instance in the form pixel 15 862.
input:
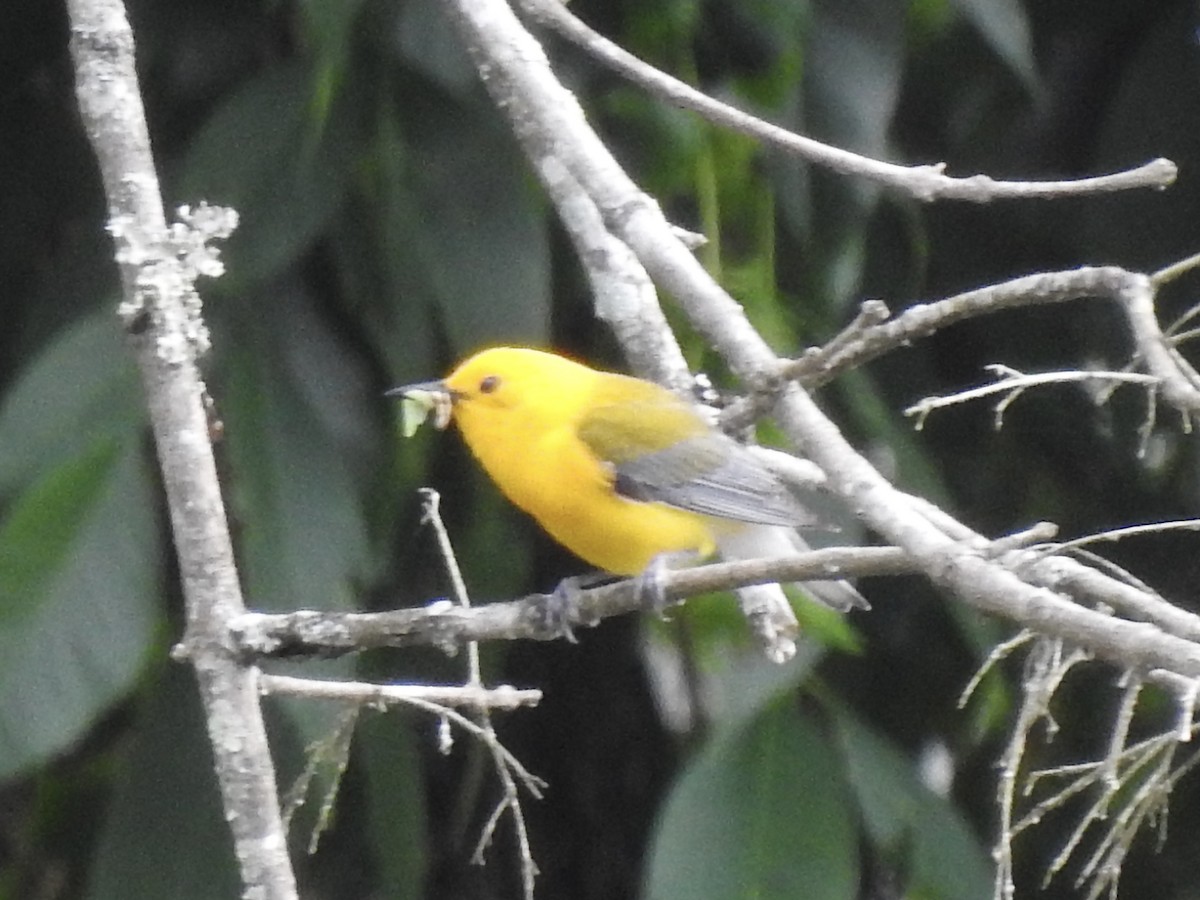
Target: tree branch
pixel 165 332
pixel 925 183
pixel 448 626
pixel 516 73
pixel 471 696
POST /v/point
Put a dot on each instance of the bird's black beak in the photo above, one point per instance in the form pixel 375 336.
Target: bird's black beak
pixel 421 387
pixel 419 400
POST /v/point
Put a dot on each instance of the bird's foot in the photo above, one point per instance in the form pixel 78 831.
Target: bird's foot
pixel 558 609
pixel 651 586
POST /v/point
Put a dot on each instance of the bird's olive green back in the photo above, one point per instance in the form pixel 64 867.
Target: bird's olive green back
pixel 660 449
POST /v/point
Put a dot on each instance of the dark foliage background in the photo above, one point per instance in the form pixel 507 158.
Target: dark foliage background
pixel 389 226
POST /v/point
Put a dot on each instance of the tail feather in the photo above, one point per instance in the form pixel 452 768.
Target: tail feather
pixel 768 542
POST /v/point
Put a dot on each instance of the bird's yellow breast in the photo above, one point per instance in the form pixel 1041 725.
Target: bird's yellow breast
pixel 528 442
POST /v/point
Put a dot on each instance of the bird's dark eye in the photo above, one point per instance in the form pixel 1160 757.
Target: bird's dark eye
pixel 489 384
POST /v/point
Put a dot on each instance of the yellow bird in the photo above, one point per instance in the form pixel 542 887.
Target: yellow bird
pixel 617 469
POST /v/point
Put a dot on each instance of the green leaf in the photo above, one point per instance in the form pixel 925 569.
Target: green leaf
pixel 42 527
pixel 330 28
pixel 302 445
pixel 79 645
pixel 275 153
pixel 832 629
pixel 396 798
pixel 1005 27
pixel 426 41
pixel 165 834
pixel 385 289
pixel 480 238
pixel 853 71
pixel 80 553
pixel 81 388
pixel 922 832
pixel 763 811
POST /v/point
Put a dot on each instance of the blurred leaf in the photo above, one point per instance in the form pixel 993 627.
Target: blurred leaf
pixel 896 447
pixel 921 832
pixel 300 434
pixel 1004 25
pixel 270 153
pixel 427 42
pixel 80 389
pixel 661 143
pixel 456 238
pixel 834 630
pixel 481 240
pixel 329 28
pixel 386 287
pixel 764 812
pixel 659 29
pixel 1151 114
pixel 77 649
pixel 330 31
pixel 396 796
pixel 165 834
pixel 80 543
pixel 853 70
pixel 39 534
pixel 302 443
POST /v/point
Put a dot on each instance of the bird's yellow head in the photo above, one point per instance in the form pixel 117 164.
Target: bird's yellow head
pixel 498 389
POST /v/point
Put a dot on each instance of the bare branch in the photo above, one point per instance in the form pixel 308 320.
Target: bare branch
pixel 165 329
pixel 1180 382
pixel 1069 576
pixel 924 319
pixel 447 626
pixel 1169 273
pixel 504 697
pixel 872 335
pixel 1012 383
pixel 925 183
pixel 511 800
pixel 1048 664
pixel 1117 534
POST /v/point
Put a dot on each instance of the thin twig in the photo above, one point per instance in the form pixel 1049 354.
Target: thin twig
pixel 1012 383
pixel 1120 730
pixel 1170 273
pixel 1118 534
pixel 511 796
pixel 925 183
pixel 1180 382
pixel 997 655
pixel 924 319
pixel 331 750
pixel 431 515
pixel 1047 665
pixel 502 697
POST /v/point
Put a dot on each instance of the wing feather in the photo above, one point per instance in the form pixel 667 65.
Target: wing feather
pixel 663 451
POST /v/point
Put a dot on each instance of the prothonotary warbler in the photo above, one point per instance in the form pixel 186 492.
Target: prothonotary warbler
pixel 617 469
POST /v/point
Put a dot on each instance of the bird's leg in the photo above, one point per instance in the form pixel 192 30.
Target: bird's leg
pixel 558 607
pixel 651 585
